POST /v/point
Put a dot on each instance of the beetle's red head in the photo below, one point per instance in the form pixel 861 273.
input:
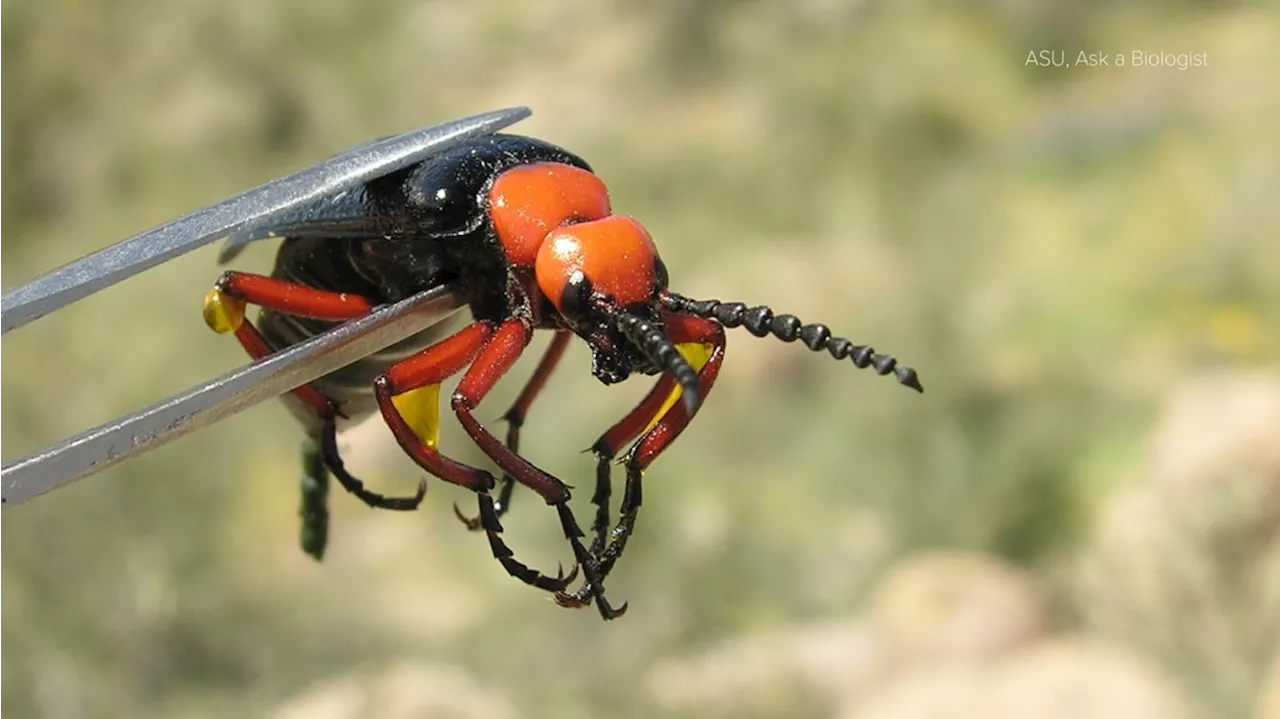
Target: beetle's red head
pixel 605 278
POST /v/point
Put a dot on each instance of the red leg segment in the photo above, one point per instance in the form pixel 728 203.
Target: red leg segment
pixel 293 299
pixel 498 356
pixel 515 417
pixel 257 347
pixel 432 366
pixel 680 329
pixel 491 353
pixel 286 298
pixel 224 310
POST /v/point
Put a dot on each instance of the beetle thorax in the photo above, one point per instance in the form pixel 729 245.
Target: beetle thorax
pixel 527 202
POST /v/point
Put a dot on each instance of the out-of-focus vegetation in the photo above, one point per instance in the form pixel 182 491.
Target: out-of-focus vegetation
pixel 1082 263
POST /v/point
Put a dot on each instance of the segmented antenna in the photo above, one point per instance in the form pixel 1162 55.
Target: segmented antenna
pixel 663 354
pixel 761 321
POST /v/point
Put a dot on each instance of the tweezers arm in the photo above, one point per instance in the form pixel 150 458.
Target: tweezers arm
pixel 161 423
pixel 102 269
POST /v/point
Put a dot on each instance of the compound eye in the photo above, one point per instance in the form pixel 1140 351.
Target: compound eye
pixel 576 297
pixel 660 276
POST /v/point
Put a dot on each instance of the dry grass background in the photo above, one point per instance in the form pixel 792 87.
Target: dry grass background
pixel 1078 517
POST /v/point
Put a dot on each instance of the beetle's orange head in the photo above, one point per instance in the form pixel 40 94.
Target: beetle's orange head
pixel 605 278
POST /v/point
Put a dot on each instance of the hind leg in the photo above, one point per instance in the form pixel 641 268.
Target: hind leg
pixel 224 309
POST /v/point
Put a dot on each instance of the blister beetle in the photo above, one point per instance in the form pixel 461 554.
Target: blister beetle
pixel 526 231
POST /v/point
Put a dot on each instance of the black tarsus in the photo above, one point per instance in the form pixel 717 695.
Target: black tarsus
pixel 607 554
pixel 603 493
pixel 488 519
pixel 332 460
pixel 761 322
pixel 507 486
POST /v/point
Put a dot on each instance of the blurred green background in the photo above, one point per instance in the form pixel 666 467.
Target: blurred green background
pixel 1082 263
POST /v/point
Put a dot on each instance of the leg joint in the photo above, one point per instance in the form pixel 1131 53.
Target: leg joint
pixel 224 279
pixel 461 403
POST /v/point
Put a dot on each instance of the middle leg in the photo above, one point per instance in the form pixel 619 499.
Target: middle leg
pixel 515 420
pixel 497 357
pixel 490 350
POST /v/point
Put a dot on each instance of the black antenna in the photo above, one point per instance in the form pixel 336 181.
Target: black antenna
pixel 761 322
pixel 663 354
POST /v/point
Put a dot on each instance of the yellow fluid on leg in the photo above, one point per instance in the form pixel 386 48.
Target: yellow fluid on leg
pixel 420 409
pixel 223 314
pixel 697 355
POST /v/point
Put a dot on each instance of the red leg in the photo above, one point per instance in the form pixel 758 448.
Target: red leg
pixel 499 354
pixel 680 329
pixel 432 366
pixel 257 347
pixel 293 299
pixel 224 311
pixel 497 357
pixel 490 354
pixel 515 420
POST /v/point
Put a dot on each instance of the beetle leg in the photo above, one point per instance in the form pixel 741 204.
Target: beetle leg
pixel 497 357
pixel 611 442
pixel 509 340
pixel 287 298
pixel 488 519
pixel 515 420
pixel 490 352
pixel 224 308
pixel 663 430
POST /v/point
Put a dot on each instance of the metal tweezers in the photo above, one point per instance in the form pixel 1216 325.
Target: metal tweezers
pixel 202 405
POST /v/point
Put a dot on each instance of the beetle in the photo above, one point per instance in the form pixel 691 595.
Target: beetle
pixel 526 233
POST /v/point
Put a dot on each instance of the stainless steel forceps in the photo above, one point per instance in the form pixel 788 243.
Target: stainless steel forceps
pixel 200 406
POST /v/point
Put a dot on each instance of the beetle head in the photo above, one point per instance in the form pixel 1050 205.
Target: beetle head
pixel 605 278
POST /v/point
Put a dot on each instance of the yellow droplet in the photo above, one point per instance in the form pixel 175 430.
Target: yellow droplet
pixel 421 411
pixel 697 355
pixel 223 314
